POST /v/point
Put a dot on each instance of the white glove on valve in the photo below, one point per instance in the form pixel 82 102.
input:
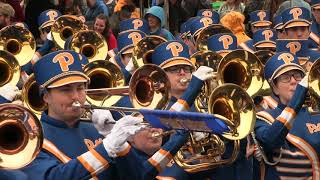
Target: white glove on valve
pixel 103 121
pixel 130 66
pixel 116 140
pixel 204 73
pixel 9 92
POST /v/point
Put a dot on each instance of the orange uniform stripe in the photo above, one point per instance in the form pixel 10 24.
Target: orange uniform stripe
pixel 86 165
pixel 155 164
pixel 100 158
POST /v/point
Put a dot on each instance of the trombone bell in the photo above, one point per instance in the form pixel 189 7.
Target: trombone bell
pixel 21 136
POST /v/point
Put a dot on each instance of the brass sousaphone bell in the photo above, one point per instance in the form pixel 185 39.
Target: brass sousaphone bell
pixel 142 51
pixel 9 69
pixel 21 136
pixel 19 41
pixel 64 27
pixel 89 43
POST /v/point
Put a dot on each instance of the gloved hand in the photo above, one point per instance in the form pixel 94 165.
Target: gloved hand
pixel 204 73
pixel 49 36
pixel 9 92
pixel 199 135
pixel 130 66
pixel 103 121
pixel 116 140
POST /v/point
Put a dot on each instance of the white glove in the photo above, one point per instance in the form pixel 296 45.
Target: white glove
pixel 199 135
pixel 116 140
pixel 304 81
pixel 103 121
pixel 49 36
pixel 130 66
pixel 204 73
pixel 9 92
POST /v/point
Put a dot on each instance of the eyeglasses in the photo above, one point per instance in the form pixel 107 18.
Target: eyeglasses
pixel 285 78
pixel 177 69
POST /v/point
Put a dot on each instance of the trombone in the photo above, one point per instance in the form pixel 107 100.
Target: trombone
pixel 21 136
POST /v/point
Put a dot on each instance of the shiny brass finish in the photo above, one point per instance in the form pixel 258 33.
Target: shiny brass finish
pixel 210 59
pixel 91 44
pixel 64 27
pixel 19 41
pixel 314 87
pixel 236 108
pixel 149 88
pixel 142 52
pixel 202 39
pixel 264 56
pixel 103 74
pixel 242 68
pixel 21 136
pixel 31 97
pixel 9 69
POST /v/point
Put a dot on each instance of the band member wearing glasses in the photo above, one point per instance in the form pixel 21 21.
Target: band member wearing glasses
pixel 288 133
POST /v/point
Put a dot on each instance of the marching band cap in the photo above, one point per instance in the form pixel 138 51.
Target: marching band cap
pixel 47 18
pixel 280 63
pixel 277 21
pixel 222 43
pixel 198 24
pixel 297 47
pixel 211 14
pixel 185 27
pixel 134 24
pixel 315 4
pixel 59 68
pixel 264 38
pixel 171 53
pixel 127 40
pixel 6 9
pixel 295 17
pixel 260 18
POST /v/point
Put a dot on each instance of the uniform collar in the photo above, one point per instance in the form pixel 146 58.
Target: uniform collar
pixel 54 122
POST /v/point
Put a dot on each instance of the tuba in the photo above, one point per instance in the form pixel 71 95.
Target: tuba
pixel 142 52
pixel 234 105
pixel 21 136
pixel 9 69
pixel 65 27
pixel 19 41
pixel 89 43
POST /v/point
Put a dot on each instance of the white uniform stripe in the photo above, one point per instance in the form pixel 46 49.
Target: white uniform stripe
pixel 178 107
pixel 93 162
pixel 161 159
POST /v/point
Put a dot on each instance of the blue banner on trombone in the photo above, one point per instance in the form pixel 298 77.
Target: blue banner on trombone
pixel 185 120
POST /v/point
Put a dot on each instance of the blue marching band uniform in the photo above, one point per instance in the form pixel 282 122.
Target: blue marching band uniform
pixel 287 133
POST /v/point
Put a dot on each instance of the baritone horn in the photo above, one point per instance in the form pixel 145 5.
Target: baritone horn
pixel 21 136
pixel 89 43
pixel 9 69
pixel 234 105
pixel 64 27
pixel 19 41
pixel 142 51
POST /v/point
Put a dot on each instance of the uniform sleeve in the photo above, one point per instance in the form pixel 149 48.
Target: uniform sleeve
pixel 47 166
pixel 45 49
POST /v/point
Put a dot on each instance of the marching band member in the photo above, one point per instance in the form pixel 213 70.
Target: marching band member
pixel 71 149
pixel 315 29
pixel 278 26
pixel 264 39
pixel 134 24
pixel 283 132
pixel 222 44
pixel 259 19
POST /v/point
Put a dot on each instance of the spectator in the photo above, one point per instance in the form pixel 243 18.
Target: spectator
pixel 231 5
pixel 121 3
pixel 6 13
pixel 94 9
pixel 71 7
pixel 102 26
pixel 156 20
pixel 124 13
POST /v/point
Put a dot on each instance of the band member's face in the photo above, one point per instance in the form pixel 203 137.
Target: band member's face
pixel 316 15
pixel 301 32
pixel 144 141
pixel 99 25
pixel 285 85
pixel 281 34
pixel 175 74
pixel 60 101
